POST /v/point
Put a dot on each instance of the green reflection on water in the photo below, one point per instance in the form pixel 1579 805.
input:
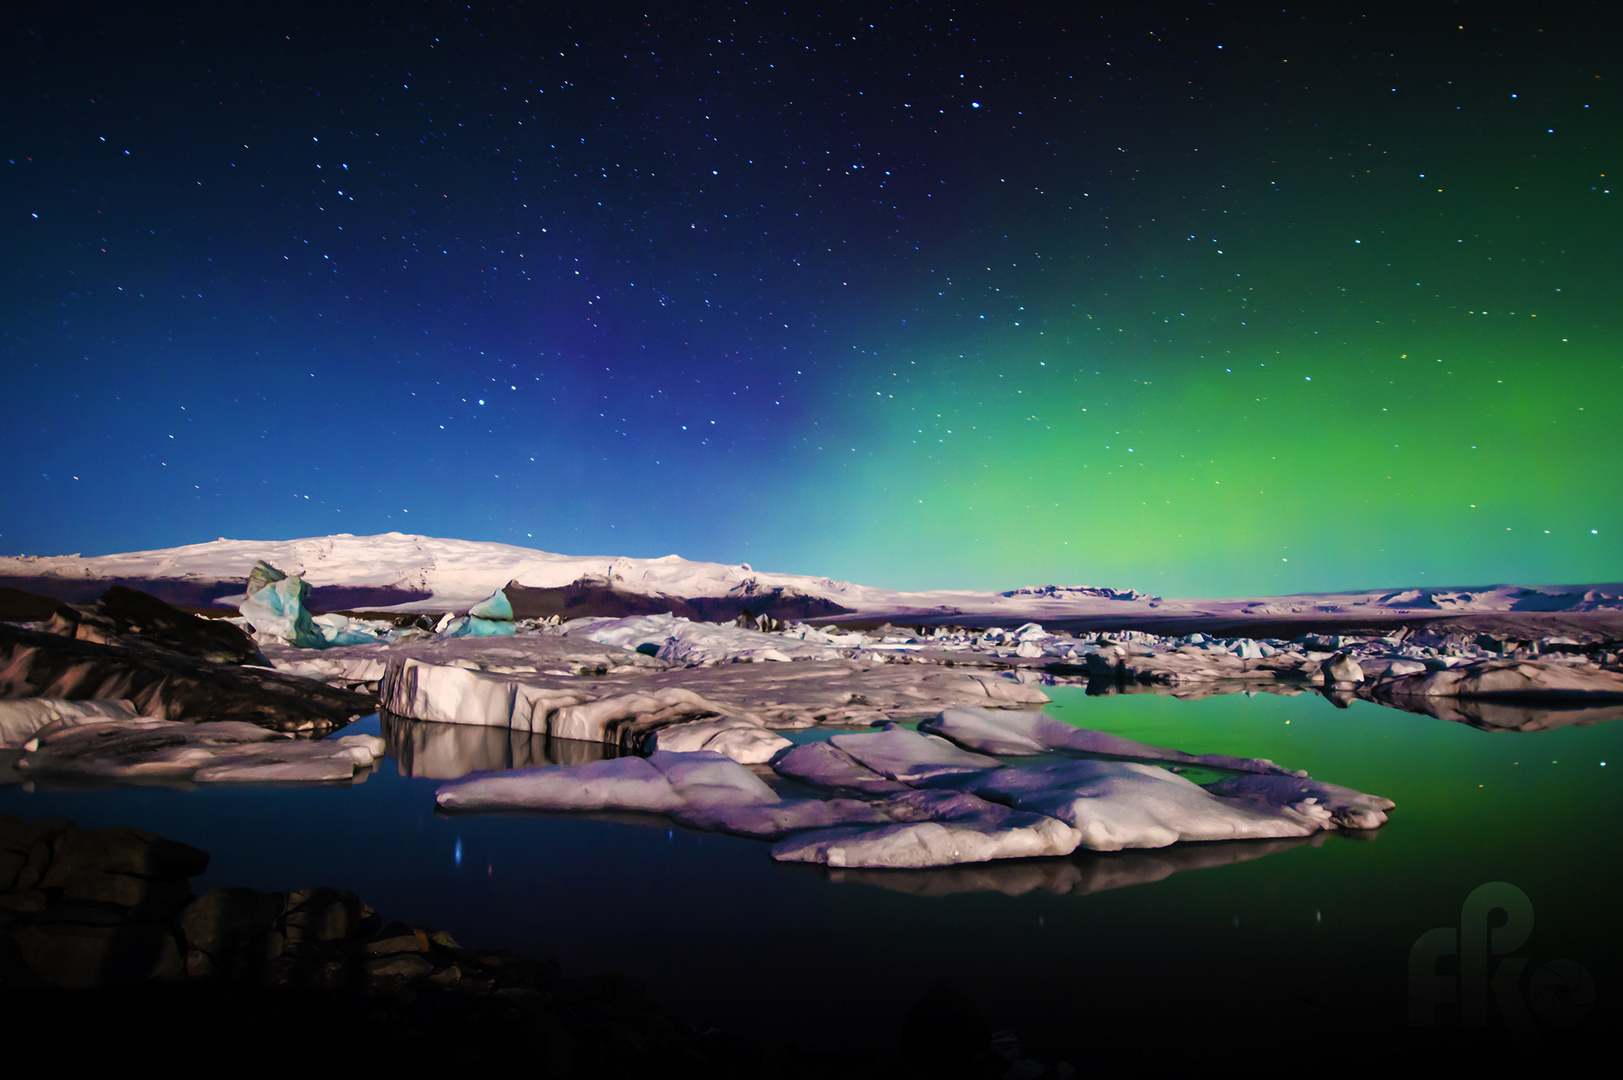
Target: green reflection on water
pixel 1538 810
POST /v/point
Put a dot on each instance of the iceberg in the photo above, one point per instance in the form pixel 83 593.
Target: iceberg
pixel 19 720
pixel 1001 731
pixel 901 799
pixel 275 607
pixel 685 643
pixel 1122 804
pixel 494 607
pixel 474 626
pixel 210 752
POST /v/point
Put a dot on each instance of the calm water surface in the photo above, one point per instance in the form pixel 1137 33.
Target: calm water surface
pixel 1299 943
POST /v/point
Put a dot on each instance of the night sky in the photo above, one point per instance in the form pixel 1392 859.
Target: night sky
pixel 1201 299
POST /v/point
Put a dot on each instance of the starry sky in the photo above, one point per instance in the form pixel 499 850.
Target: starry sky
pixel 1204 299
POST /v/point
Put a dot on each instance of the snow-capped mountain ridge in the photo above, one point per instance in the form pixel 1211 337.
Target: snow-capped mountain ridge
pixel 454 574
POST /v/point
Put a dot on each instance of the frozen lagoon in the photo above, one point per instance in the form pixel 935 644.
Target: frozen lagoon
pixel 1295 943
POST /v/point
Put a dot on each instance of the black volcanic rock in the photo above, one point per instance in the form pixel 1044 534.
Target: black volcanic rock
pixel 121 613
pixel 296 975
pixel 20 605
pixel 169 685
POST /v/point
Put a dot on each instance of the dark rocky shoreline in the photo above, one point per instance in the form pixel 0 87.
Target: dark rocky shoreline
pixel 105 954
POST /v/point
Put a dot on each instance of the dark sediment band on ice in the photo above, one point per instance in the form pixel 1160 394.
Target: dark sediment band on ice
pixel 168 685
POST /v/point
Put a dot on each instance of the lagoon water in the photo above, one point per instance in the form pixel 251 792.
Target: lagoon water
pixel 1295 943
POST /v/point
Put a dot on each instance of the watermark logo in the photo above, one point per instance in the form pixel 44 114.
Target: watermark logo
pixel 1559 993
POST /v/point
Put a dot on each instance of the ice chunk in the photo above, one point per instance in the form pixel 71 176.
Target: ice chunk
pixel 214 751
pixel 474 626
pixel 1002 731
pixel 1530 679
pixel 20 720
pixel 1122 804
pixel 602 719
pixel 339 630
pixel 908 756
pixel 741 740
pixel 495 607
pixel 344 669
pixel 686 643
pixel 707 779
pixel 1347 808
pixel 1006 688
pixel 275 607
pixel 826 765
pixel 451 695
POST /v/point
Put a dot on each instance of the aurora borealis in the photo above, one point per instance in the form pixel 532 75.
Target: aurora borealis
pixel 1200 299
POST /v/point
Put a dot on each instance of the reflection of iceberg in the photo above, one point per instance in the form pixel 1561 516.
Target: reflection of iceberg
pixel 1083 873
pixel 447 751
pixel 1491 715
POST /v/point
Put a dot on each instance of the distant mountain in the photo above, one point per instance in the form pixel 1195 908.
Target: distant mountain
pixel 405 572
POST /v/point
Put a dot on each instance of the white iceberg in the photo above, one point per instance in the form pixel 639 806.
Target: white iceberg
pixel 908 756
pixel 1122 804
pixel 210 752
pixel 21 720
pixel 1002 731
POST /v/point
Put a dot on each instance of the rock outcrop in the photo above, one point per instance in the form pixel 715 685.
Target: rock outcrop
pixel 99 931
pixel 168 685
pixel 125 616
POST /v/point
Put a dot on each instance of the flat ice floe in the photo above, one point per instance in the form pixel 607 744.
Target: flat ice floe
pixel 223 751
pixel 1121 804
pixel 901 799
pixel 20 720
pixel 1007 732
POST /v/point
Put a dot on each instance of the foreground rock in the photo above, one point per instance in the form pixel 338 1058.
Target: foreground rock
pixel 900 798
pixel 168 685
pixel 99 929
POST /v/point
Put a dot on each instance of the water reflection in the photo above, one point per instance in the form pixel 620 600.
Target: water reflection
pixel 1488 714
pixel 1081 874
pixel 446 751
pixel 1491 715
